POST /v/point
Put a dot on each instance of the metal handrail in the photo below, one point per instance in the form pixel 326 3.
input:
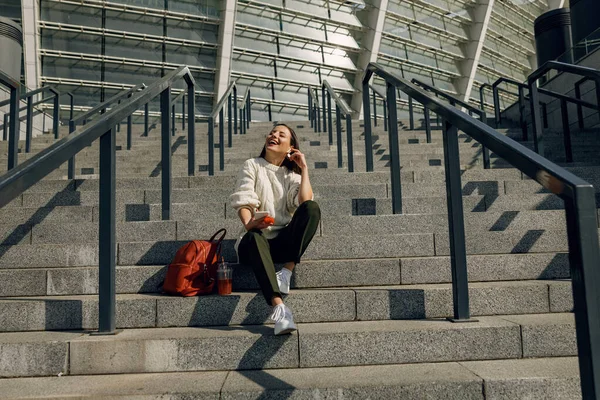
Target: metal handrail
pixel 313 111
pixel 22 177
pixel 341 107
pixel 580 208
pixel 377 92
pixel 577 85
pixel 534 92
pixel 454 101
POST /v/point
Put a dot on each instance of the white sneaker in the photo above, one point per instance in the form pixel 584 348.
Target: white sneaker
pixel 284 278
pixel 284 321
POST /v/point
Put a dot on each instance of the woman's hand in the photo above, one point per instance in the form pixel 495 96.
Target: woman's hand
pixel 298 157
pixel 258 223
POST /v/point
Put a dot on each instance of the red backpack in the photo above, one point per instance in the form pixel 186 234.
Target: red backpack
pixel 193 271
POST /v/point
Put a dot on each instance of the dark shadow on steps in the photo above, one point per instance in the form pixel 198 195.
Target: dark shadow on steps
pixel 528 241
pixel 504 221
pixel 180 140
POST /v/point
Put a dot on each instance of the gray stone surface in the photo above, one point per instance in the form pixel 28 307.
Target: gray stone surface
pixel 12 235
pixel 73 312
pixel 178 385
pixel 205 226
pixel 435 301
pixel 35 215
pixel 48 255
pixel 370 246
pixel 34 354
pixel 501 267
pixel 518 202
pixel 335 273
pixel 18 282
pixel 545 378
pixel 189 211
pixel 561 296
pixel 449 381
pixel 184 349
pixel 389 342
pixel 251 308
pixel 547 335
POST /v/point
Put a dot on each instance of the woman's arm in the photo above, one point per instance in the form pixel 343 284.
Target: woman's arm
pixel 248 220
pixel 305 191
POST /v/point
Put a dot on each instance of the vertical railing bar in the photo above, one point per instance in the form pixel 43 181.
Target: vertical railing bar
pixel 367 127
pixel 183 112
pixel 427 124
pixel 330 120
pixel 374 109
pixel 71 162
pixel 338 128
pixel 536 121
pixel 146 119
pixel 485 150
pixel 165 111
pixel 173 119
pixel 522 121
pixel 56 122
pixel 396 179
pixel 211 145
pixel 385 116
pixel 221 140
pixel 349 143
pixel 235 111
pixel 411 115
pixel 229 123
pixel 324 108
pixel 191 130
pixel 496 96
pixel 579 107
pixel 564 111
pixel 13 128
pixel 29 127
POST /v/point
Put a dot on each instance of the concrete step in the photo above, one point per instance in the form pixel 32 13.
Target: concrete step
pixel 57 281
pixel 549 378
pixel 314 345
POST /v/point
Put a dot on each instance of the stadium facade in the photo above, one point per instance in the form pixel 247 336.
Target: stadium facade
pixel 93 48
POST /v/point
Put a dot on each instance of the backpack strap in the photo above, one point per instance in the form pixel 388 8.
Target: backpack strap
pixel 216 233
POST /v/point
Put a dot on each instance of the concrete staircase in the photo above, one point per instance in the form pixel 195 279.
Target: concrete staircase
pixel 370 297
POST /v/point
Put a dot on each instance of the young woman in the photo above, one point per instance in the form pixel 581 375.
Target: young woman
pixel 277 183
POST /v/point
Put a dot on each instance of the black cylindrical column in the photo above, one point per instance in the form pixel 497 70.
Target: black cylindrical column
pixel 584 21
pixel 553 35
pixel 11 47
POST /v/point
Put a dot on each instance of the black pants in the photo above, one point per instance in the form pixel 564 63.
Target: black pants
pixel 289 245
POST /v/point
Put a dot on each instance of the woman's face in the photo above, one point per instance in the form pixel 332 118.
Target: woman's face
pixel 279 140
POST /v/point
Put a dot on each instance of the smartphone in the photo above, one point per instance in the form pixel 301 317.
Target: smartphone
pixel 260 214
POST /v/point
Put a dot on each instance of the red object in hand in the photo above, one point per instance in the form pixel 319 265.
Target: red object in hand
pixel 269 220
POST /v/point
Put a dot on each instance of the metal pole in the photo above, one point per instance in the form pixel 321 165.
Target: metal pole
pixel 229 122
pixel 248 111
pixel 235 111
pixel 211 145
pixel 165 120
pixel 29 127
pixel 72 104
pixel 318 111
pixel 411 116
pixel 330 120
pixel 269 110
pixel 368 129
pixel 597 82
pixel 5 128
pixel 385 116
pixel 427 124
pixel 394 151
pixel 183 112
pixel 545 115
pixel 13 129
pixel 349 143
pixel 485 150
pixel 146 119
pixel 522 121
pixel 221 140
pixel 191 130
pixel 536 121
pixel 56 110
pixel 566 130
pixel 173 120
pixel 582 234
pixel 374 109
pixel 338 128
pixel 107 250
pixel 579 107
pixel 324 108
pixel 71 162
pixel 496 104
pixel 456 227
pixel 244 119
pixel 129 127
pixel 310 109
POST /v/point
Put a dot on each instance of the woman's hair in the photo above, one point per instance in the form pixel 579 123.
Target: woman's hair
pixel 289 164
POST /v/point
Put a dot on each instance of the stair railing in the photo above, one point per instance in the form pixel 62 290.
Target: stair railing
pixel 377 92
pixel 454 101
pixel 313 112
pixel 577 85
pixel 341 108
pixel 580 210
pixel 22 177
pixel 534 91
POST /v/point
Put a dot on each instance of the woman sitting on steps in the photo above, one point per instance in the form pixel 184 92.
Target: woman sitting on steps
pixel 276 182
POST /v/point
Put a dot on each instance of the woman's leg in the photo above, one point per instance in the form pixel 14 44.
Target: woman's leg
pixel 254 250
pixel 291 243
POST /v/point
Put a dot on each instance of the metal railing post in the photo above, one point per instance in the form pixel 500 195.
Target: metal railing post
pixel 411 115
pixel 564 112
pixel 191 98
pixel 579 107
pixel 545 115
pixel 235 111
pixel 146 119
pixel 129 130
pixel 456 228
pixel 72 105
pixel 165 121
pixel 211 145
pixel 496 96
pixel 5 128
pixel 374 109
pixel 245 120
pixel 13 128
pixel 318 112
pixel 349 143
pixel 330 120
pixel 241 121
pixel 221 140
pixel 385 116
pixel 427 124
pixel 310 109
pixel 536 121
pixel 248 111
pixel 394 150
pixel 269 111
pixel 229 122
pixel 485 150
pixel 56 122
pixel 173 120
pixel 29 127
pixel 324 108
pixel 597 83
pixel 183 112
pixel 522 121
pixel 71 162
pixel 107 250
pixel 582 234
pixel 367 127
pixel 338 131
